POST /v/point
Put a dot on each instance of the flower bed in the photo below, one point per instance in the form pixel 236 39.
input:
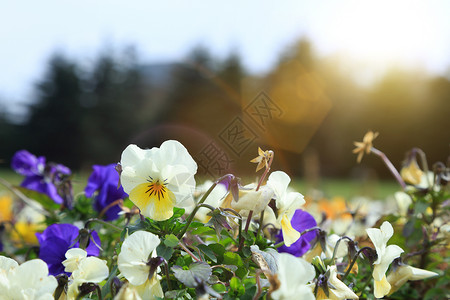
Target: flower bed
pixel 143 229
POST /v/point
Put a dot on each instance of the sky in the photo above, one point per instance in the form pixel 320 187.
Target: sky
pixel 374 34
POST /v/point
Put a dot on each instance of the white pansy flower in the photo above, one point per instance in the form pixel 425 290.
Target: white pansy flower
pixel 29 280
pixel 386 254
pixel 133 263
pixel 337 289
pixel 158 179
pixel 6 265
pixel 287 203
pixel 84 269
pixel 90 269
pixel 403 273
pixel 73 258
pixel 251 199
pixel 293 274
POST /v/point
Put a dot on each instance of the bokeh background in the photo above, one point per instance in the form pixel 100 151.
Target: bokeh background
pixel 81 80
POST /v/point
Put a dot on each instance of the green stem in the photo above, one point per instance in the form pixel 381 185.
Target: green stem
pixel 278 245
pixel 250 214
pixel 197 207
pixel 337 245
pixel 241 239
pixel 261 220
pixel 188 251
pixel 166 269
pixel 207 206
pixel 99 292
pixel 247 225
pixel 353 262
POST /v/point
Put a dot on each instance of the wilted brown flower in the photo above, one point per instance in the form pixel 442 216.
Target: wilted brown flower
pixel 365 145
pixel 262 159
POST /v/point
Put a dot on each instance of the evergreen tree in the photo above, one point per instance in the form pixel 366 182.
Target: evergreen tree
pixel 54 127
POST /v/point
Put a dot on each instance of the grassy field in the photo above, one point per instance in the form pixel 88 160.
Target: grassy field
pixel 330 187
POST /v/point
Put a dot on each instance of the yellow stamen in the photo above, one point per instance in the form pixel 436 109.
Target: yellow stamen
pixel 154 198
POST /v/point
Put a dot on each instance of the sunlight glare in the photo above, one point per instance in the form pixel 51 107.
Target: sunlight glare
pixel 394 31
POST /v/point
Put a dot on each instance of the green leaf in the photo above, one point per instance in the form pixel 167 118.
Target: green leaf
pixel 164 251
pixel 231 258
pixel 171 240
pixel 208 252
pixel 218 251
pixel 408 229
pixel 220 288
pixel 236 286
pixel 107 286
pixel 42 199
pixel 177 212
pixel 175 294
pixel 420 207
pixel 205 230
pixel 198 271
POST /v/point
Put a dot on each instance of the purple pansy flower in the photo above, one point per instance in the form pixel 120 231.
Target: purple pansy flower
pixel 104 180
pixel 300 222
pixel 25 163
pixel 57 239
pixel 39 176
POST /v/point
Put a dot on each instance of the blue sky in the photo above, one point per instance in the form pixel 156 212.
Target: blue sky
pixel 374 34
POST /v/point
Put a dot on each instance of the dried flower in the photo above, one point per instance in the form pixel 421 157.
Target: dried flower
pixel 365 145
pixel 262 159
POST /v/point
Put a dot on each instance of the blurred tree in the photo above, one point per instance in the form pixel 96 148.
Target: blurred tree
pixel 115 106
pixel 87 115
pixel 54 127
pixel 231 73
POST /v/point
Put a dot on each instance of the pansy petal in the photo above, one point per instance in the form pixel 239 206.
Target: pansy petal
pixel 73 258
pixel 33 275
pixel 279 182
pixel 418 274
pixel 174 153
pixel 381 287
pixel 132 155
pixel 392 252
pixel 290 235
pixel 293 274
pixel 135 252
pixel 91 269
pixel 150 289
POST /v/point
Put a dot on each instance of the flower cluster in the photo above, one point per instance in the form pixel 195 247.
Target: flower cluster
pixel 46 178
pixel 143 229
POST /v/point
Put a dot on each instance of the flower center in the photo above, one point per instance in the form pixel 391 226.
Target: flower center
pixel 157 188
pixel 154 199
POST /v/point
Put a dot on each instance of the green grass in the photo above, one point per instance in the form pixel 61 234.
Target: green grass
pixel 331 187
pixel 79 180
